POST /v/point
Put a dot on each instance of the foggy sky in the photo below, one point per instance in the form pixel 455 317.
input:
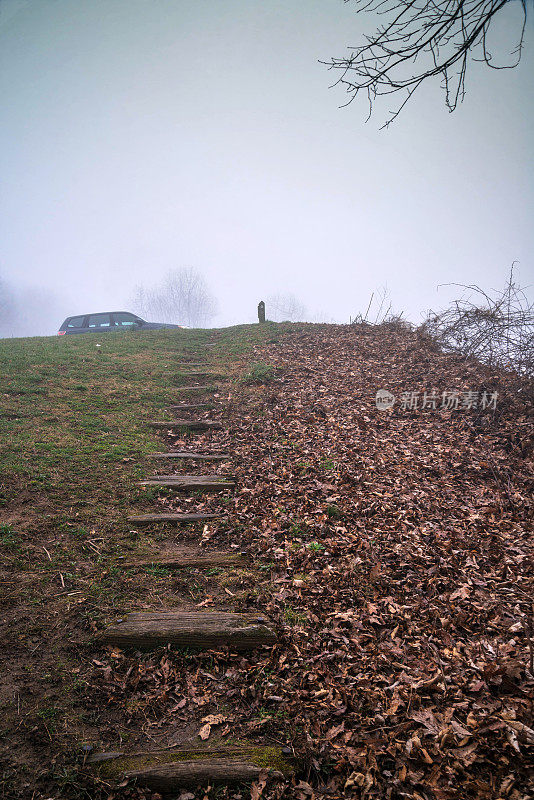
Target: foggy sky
pixel 139 136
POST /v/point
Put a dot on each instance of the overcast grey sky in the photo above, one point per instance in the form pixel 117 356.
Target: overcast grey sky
pixel 142 135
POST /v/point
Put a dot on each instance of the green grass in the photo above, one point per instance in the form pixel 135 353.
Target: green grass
pixel 71 414
pixel 316 547
pixel 73 442
pixel 258 373
pixel 334 512
pixel 293 617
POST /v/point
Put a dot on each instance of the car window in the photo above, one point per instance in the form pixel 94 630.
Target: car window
pixel 124 319
pixel 100 321
pixel 75 322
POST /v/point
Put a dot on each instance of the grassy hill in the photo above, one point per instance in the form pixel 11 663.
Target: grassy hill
pixel 73 438
pixel 389 549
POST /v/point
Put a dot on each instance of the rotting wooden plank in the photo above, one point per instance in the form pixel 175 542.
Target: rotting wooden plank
pixel 182 486
pixel 210 388
pixel 177 476
pixel 185 560
pixel 185 482
pixel 194 480
pixel 175 519
pixel 199 630
pixel 190 424
pixel 193 456
pixel 169 770
pixel 216 376
pixel 189 406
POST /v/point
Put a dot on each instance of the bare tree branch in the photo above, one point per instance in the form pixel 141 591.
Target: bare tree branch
pixel 421 40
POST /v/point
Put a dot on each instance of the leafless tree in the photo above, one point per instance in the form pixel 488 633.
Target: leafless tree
pixel 285 307
pixel 183 298
pixel 420 40
pixel 495 327
pixel 7 308
pixel 29 310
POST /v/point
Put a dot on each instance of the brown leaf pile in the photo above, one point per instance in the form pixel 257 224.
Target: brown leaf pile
pixel 395 557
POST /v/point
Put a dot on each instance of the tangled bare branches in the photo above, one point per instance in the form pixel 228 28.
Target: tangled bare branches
pixel 423 39
pixel 384 316
pixel 496 329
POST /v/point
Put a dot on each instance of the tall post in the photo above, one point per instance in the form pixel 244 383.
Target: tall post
pixel 261 311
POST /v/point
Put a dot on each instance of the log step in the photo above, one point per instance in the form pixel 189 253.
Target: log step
pixel 190 424
pixel 192 364
pixel 200 630
pixel 189 406
pixel 177 476
pixel 192 456
pixel 216 376
pixel 186 560
pixel 169 770
pixel 196 388
pixel 175 519
pixel 185 482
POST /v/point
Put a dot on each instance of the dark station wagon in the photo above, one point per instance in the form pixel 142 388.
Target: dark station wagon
pixel 109 321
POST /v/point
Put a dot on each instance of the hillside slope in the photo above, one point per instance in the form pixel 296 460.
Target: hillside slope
pixel 390 550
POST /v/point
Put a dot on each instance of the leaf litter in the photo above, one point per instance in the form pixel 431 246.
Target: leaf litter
pixel 393 553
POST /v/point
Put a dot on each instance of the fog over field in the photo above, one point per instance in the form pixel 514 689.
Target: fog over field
pixel 143 136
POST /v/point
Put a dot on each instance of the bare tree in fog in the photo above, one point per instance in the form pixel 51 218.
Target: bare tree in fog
pixel 28 310
pixel 7 309
pixel 285 307
pixel 183 298
pixel 422 39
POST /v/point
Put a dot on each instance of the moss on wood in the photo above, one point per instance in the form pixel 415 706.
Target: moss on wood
pixel 171 769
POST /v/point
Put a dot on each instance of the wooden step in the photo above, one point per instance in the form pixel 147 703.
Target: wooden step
pixel 189 406
pixel 192 364
pixel 192 456
pixel 187 560
pixel 190 482
pixel 216 376
pixel 196 388
pixel 170 770
pixel 189 424
pixel 174 519
pixel 200 630
pixel 177 476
